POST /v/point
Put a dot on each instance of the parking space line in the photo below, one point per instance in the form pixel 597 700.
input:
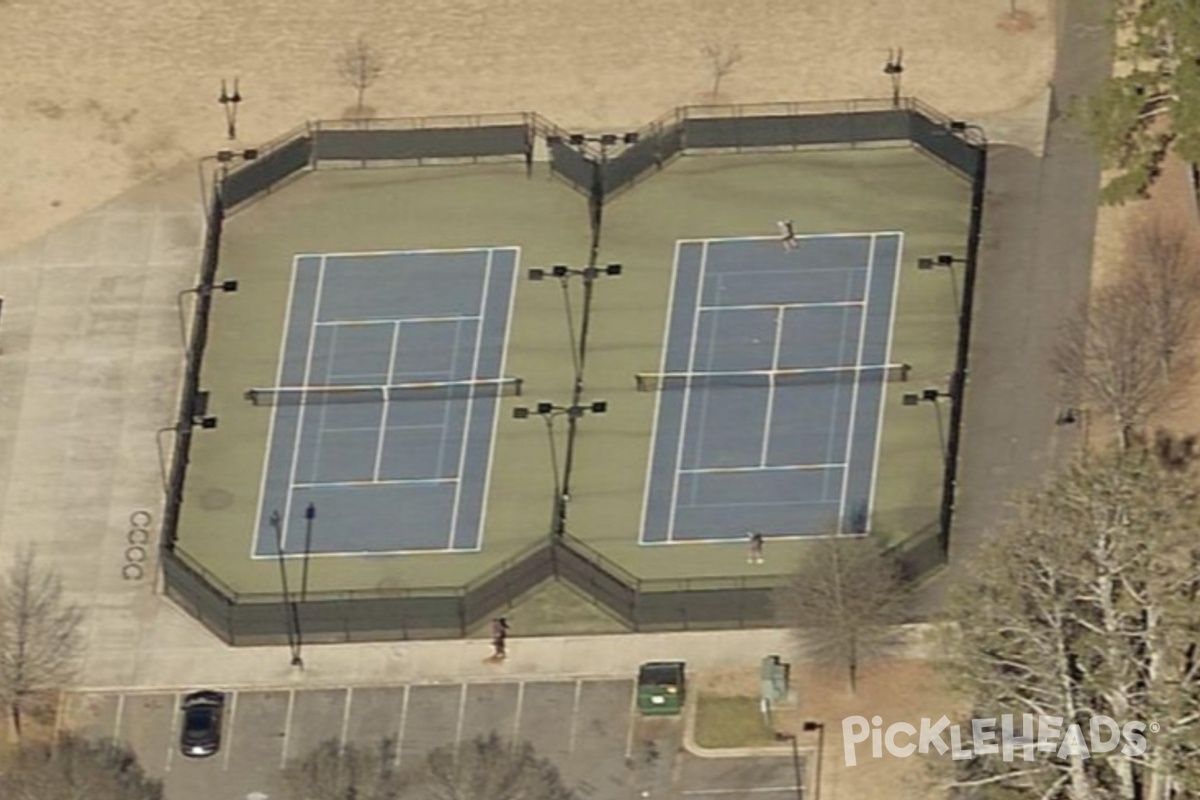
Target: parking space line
pixel 346 719
pixel 116 735
pixel 632 724
pixel 400 728
pixel 287 727
pixel 574 717
pixel 231 726
pixel 517 714
pixel 462 715
pixel 176 710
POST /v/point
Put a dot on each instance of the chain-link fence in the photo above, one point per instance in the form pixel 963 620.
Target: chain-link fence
pixel 601 173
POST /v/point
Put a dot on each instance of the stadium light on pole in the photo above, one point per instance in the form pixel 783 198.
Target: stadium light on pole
pixel 205 422
pixel 203 290
pixel 589 275
pixel 894 69
pixel 549 412
pixel 229 101
pixel 946 261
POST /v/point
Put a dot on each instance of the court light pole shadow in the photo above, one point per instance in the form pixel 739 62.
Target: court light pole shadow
pixel 203 290
pixel 291 615
pixel 809 726
pixel 931 396
pixel 310 516
pixel 781 736
pixel 549 412
pixel 946 261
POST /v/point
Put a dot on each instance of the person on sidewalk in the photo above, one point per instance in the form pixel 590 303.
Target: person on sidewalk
pixel 755 555
pixel 499 638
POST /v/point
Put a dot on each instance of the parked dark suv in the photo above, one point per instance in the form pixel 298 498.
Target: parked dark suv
pixel 201 734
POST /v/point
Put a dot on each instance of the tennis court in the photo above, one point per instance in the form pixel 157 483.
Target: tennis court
pixel 771 387
pixel 386 401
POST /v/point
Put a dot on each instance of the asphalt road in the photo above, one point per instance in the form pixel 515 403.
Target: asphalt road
pixel 1034 268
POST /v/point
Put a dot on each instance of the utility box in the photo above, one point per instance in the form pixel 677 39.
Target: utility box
pixel 774 680
pixel 661 688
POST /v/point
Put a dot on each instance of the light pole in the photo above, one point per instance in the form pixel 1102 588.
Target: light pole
pixel 204 422
pixel 203 290
pixel 229 101
pixel 894 69
pixel 578 346
pixel 549 412
pixel 931 396
pixel 809 726
pixel 946 261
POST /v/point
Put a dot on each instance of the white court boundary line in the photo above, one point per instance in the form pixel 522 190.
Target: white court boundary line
pixel 862 343
pixel 687 397
pixel 781 468
pixel 662 367
pixel 312 341
pixel 786 306
pixel 383 415
pixel 487 475
pixel 389 482
pixel 462 453
pixel 266 461
pixel 775 238
pixel 883 394
pixel 769 414
pixel 356 323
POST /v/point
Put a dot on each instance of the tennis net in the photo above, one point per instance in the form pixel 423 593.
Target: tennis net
pixel 763 379
pixel 425 390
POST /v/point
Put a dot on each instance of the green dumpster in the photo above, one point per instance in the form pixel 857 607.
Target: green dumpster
pixel 661 687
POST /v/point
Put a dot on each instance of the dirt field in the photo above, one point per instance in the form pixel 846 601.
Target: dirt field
pixel 98 97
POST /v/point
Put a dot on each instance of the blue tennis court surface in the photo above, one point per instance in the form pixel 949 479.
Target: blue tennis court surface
pixel 386 469
pixel 771 388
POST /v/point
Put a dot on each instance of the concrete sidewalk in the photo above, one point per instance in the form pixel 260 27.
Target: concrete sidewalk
pixel 455 661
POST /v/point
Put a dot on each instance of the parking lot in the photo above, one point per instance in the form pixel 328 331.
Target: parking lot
pixel 590 729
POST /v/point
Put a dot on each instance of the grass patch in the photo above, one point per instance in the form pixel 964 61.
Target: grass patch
pixel 730 722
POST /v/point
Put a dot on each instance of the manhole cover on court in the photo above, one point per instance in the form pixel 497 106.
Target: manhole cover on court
pixel 215 499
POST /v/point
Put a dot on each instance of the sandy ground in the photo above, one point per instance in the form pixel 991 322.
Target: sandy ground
pixel 99 96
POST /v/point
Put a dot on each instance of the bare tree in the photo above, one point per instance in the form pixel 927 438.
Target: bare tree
pixel 360 64
pixel 1110 361
pixel 73 769
pixel 333 772
pixel 1086 605
pixel 844 598
pixel 41 637
pixel 489 768
pixel 1162 271
pixel 721 59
